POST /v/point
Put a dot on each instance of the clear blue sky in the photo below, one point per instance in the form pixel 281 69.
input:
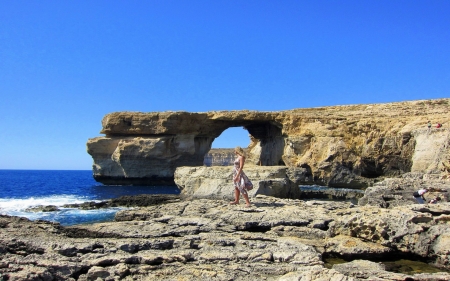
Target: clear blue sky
pixel 65 64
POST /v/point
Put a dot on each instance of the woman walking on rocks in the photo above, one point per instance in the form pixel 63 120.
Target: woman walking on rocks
pixel 241 182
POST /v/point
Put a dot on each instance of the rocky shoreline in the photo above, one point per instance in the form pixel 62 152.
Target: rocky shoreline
pixel 375 155
pixel 181 238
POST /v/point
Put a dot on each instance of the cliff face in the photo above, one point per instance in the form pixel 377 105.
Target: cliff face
pixel 342 146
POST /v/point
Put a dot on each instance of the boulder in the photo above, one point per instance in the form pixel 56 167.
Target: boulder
pixel 217 182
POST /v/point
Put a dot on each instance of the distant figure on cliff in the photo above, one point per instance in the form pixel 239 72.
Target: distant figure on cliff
pixel 418 195
pixel 429 126
pixel 241 182
pixel 435 200
pixel 438 125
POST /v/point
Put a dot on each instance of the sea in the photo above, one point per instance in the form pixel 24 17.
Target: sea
pixel 21 190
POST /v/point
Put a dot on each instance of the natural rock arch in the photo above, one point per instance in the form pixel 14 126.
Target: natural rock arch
pixel 341 146
pixel 146 148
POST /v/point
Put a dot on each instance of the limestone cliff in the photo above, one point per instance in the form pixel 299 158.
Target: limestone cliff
pixel 342 146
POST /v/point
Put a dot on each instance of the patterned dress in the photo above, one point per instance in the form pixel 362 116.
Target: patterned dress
pixel 243 184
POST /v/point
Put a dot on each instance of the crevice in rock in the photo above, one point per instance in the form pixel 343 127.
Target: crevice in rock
pixel 254 227
pixel 74 232
pixel 330 193
pixel 377 257
pixel 82 270
pixel 155 261
pixel 23 249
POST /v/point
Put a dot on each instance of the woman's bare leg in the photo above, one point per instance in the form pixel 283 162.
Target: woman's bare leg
pixel 247 201
pixel 237 193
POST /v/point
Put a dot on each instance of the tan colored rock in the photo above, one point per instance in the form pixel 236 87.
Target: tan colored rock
pixel 207 239
pixel 312 273
pixel 393 192
pixel 432 149
pixel 342 146
pixel 216 182
pixel 347 246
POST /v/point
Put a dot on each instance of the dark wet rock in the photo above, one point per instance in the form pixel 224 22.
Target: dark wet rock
pixel 91 205
pixel 41 208
pixel 143 200
pixel 123 201
pixel 315 191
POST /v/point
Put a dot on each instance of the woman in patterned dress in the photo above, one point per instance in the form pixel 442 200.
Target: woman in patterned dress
pixel 241 182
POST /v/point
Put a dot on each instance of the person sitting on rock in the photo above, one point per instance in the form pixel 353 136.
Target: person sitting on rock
pixel 418 195
pixel 435 200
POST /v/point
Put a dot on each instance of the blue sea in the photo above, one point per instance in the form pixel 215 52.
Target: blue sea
pixel 22 189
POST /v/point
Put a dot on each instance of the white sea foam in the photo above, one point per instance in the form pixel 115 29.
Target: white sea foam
pixel 66 216
pixel 21 204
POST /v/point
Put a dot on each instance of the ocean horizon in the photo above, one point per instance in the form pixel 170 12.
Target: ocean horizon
pixel 21 190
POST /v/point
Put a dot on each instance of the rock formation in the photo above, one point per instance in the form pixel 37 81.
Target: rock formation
pixel 277 181
pixel 283 182
pixel 342 146
pixel 202 239
pixel 394 192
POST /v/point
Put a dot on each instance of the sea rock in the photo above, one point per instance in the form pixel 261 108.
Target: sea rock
pixel 216 182
pixel 348 146
pixel 205 239
pixel 143 200
pixel 41 208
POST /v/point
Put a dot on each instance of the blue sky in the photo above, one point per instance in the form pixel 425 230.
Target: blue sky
pixel 65 64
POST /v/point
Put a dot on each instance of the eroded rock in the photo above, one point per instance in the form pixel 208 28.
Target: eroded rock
pixel 204 239
pixel 341 146
pixel 216 182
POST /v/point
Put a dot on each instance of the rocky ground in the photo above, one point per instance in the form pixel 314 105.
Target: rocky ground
pixel 392 192
pixel 205 239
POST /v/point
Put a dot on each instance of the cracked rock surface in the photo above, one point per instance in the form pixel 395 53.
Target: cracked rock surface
pixel 204 239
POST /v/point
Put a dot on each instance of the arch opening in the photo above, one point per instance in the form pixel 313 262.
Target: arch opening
pixel 263 142
pixel 222 148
